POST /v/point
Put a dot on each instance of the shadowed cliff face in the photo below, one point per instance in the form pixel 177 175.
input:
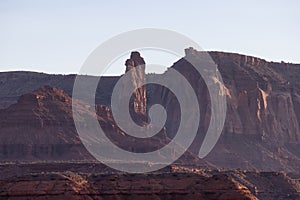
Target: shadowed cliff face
pixel 263 100
pixel 262 96
pixel 262 123
pixel 136 67
pixel 40 126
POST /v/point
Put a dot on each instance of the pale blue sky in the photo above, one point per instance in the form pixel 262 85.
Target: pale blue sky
pixel 56 36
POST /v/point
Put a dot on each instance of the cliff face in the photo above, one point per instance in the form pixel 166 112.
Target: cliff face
pixel 40 126
pixel 262 123
pixel 261 130
pixel 136 67
pixel 264 100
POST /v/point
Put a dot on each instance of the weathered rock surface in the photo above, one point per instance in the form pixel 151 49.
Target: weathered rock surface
pixel 262 122
pixel 81 180
pixel 165 186
pixel 136 67
pixel 40 127
pixel 261 132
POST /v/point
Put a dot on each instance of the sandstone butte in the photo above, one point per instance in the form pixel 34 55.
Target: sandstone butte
pixel 261 133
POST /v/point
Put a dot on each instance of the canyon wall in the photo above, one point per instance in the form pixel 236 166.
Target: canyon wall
pixel 261 130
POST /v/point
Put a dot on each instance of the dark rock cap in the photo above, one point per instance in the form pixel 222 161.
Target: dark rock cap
pixel 135 59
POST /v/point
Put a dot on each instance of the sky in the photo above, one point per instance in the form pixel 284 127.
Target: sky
pixel 57 36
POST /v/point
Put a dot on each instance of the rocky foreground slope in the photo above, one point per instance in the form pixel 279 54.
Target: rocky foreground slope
pixel 62 180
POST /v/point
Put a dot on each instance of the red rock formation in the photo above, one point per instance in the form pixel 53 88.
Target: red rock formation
pixel 40 127
pixel 159 186
pixel 262 123
pixel 83 180
pixel 136 67
pixel 261 132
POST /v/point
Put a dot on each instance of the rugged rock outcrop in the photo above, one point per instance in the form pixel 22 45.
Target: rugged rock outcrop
pixel 81 180
pixel 263 101
pixel 136 67
pixel 262 131
pixel 40 127
pixel 75 186
pixel 262 123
